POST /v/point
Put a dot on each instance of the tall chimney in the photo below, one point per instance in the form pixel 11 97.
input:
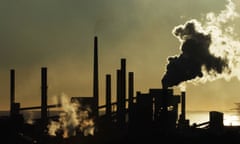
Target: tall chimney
pixel 95 76
pixel 123 83
pixel 130 96
pixel 130 89
pixel 44 97
pixel 119 90
pixel 108 94
pixel 183 108
pixel 121 93
pixel 12 91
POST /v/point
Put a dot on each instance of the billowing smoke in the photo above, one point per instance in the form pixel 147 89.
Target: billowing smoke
pixel 209 50
pixel 72 120
pixel 195 55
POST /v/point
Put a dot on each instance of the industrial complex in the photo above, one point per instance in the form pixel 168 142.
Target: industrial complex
pixel 158 116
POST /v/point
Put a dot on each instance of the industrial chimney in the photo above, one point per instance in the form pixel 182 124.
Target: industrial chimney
pixel 95 77
pixel 183 122
pixel 12 91
pixel 183 104
pixel 108 95
pixel 44 97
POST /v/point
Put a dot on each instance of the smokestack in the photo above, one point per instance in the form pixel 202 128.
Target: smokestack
pixel 95 76
pixel 119 90
pixel 108 94
pixel 130 89
pixel 12 91
pixel 44 97
pixel 123 83
pixel 183 108
pixel 130 97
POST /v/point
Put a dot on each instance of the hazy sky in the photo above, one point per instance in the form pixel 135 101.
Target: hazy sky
pixel 58 34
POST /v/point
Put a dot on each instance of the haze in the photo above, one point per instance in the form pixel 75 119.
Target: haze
pixel 59 35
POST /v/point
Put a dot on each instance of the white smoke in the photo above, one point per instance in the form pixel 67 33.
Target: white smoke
pixel 224 42
pixel 29 117
pixel 72 119
pixel 53 128
pixel 182 86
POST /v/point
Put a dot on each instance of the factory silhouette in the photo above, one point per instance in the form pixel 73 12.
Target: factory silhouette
pixel 154 117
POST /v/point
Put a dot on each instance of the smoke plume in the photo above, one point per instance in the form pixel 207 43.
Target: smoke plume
pixel 209 50
pixel 29 117
pixel 72 120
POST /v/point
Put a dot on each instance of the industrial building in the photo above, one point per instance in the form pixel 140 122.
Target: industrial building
pixel 151 116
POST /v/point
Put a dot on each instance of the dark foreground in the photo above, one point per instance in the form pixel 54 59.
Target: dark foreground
pixel 12 132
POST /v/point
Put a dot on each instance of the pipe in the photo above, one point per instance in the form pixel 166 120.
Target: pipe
pixel 39 107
